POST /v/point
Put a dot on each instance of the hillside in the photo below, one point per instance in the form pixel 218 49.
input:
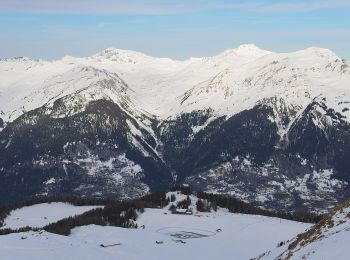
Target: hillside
pixel 328 239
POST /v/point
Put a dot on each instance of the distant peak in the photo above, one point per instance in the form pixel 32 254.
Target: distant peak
pixel 250 49
pixel 121 56
pixel 113 51
pixel 320 51
pixel 245 50
pixel 245 47
pixel 18 59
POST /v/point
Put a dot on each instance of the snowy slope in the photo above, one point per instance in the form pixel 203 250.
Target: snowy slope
pixel 296 78
pixel 241 237
pixel 230 82
pixel 40 215
pixel 328 239
pixel 238 76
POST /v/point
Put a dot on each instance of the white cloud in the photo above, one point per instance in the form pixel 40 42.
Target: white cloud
pixel 90 6
pixel 305 6
pixel 163 6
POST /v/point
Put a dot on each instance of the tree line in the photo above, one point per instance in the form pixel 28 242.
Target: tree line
pixel 114 213
pixel 237 206
pixel 124 213
pixel 77 201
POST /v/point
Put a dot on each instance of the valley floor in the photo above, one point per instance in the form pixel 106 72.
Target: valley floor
pixel 219 235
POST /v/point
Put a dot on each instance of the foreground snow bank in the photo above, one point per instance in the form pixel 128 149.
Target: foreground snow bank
pixel 329 239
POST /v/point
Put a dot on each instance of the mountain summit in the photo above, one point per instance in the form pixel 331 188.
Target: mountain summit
pixel 251 50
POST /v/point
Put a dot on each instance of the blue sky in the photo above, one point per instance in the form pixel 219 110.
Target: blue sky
pixel 178 29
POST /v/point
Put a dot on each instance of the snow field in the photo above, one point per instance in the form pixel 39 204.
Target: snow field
pixel 40 215
pixel 237 236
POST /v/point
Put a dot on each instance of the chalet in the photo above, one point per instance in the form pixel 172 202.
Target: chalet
pixel 188 211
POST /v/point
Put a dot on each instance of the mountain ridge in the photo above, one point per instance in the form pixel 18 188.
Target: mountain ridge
pixel 249 122
pixel 248 48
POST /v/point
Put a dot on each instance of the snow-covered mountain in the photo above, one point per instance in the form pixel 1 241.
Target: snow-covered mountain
pixel 270 128
pixel 238 76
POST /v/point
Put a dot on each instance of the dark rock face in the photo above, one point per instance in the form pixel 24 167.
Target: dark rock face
pixel 97 152
pixel 90 153
pixel 247 133
pixel 2 124
pixel 321 135
pixel 310 172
